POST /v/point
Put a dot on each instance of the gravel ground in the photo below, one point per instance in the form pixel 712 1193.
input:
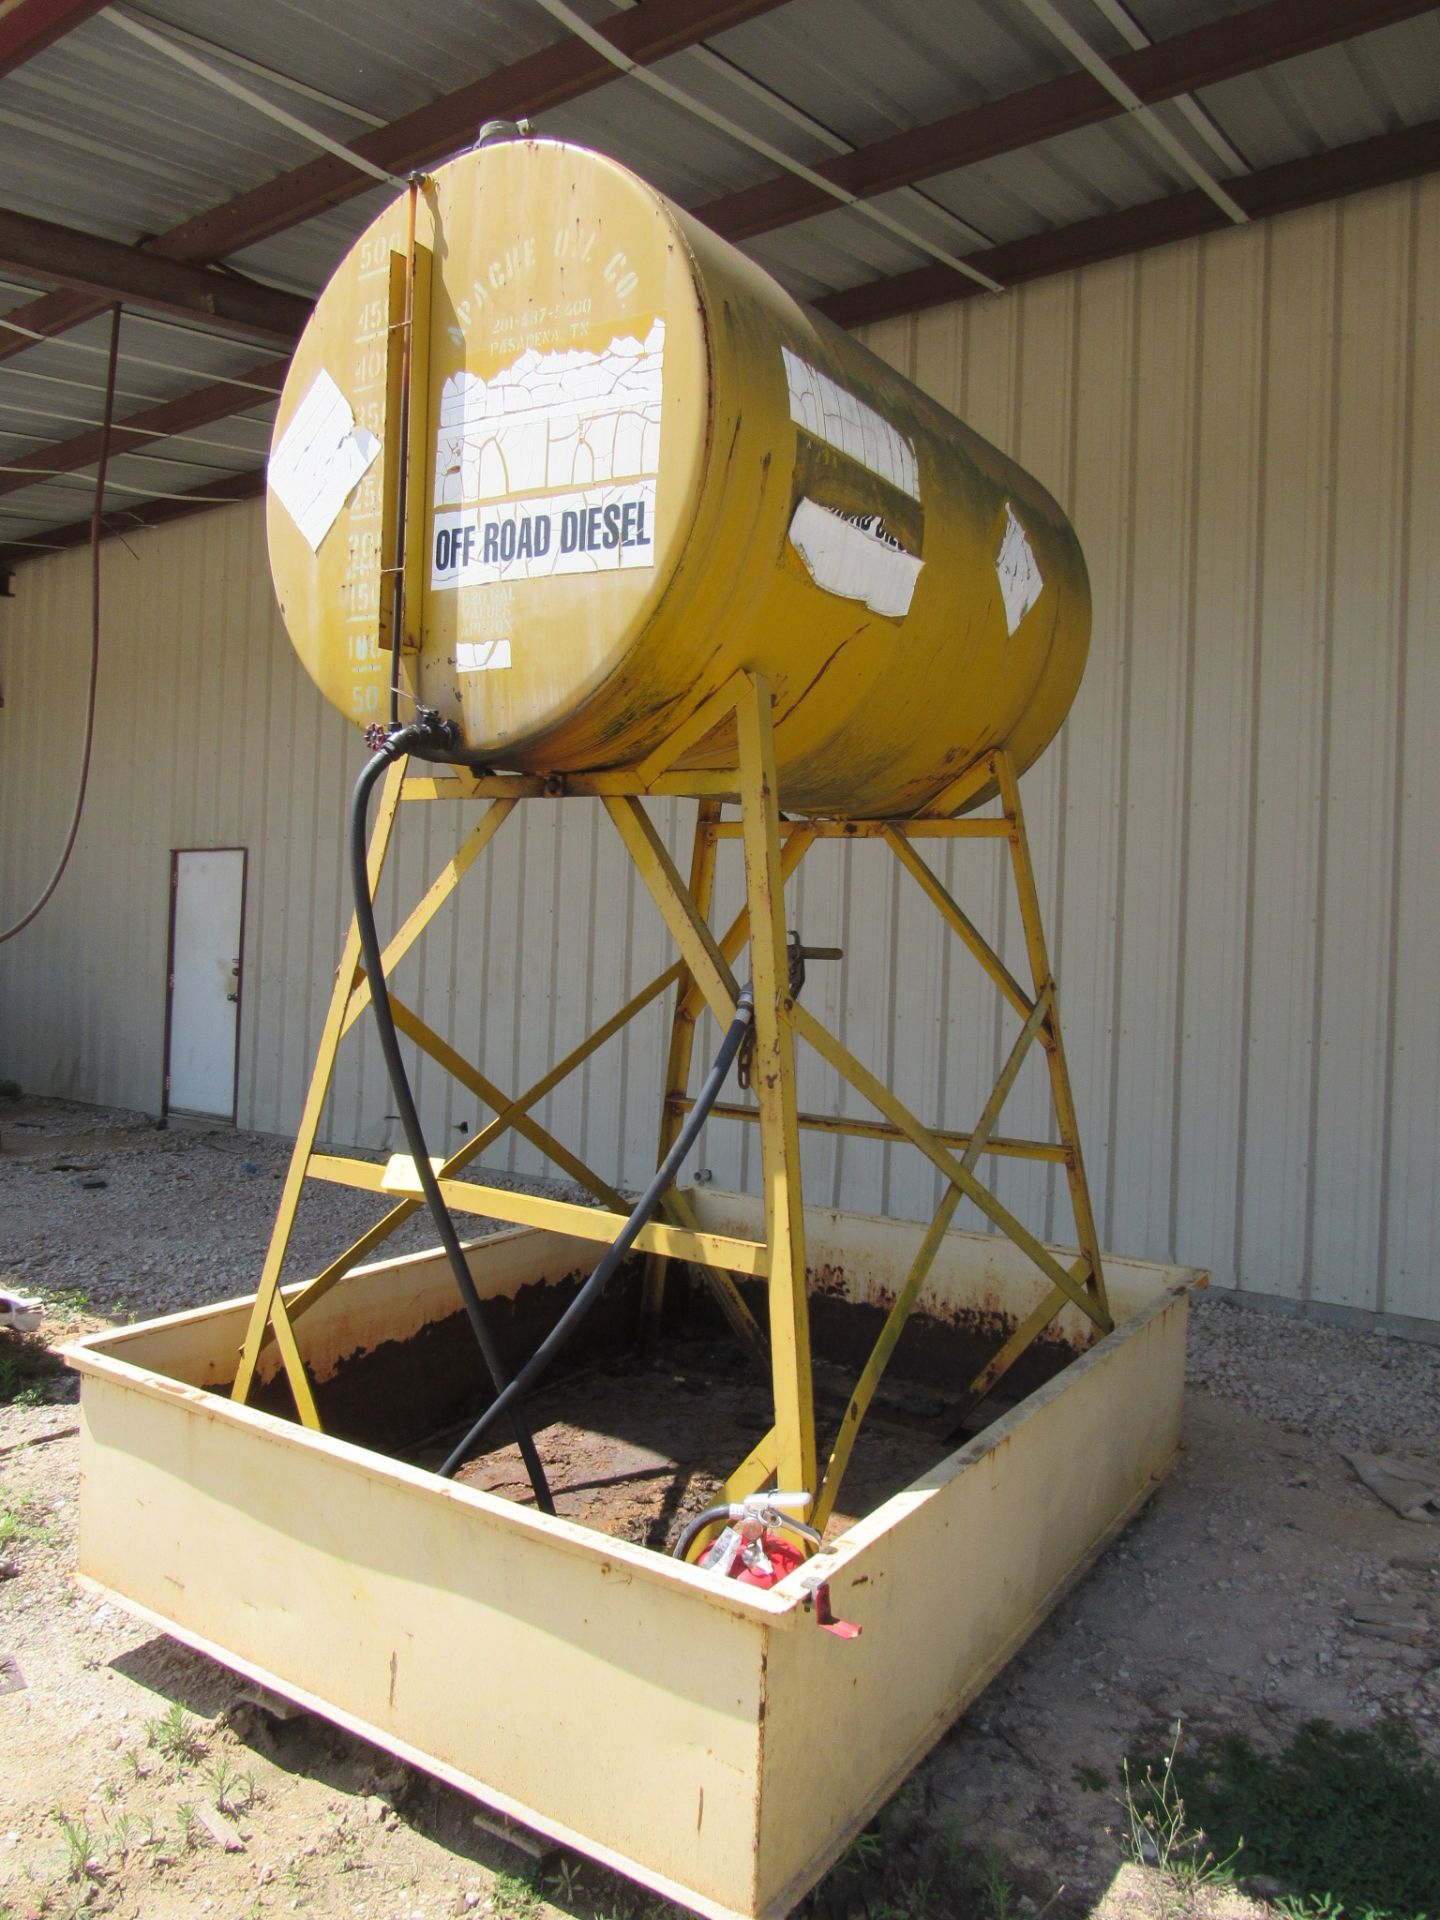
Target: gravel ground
pixel 145 1220
pixel 1360 1391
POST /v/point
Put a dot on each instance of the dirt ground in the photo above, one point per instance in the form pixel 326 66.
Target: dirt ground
pixel 1262 1586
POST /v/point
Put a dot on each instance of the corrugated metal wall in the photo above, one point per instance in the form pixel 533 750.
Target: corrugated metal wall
pixel 1233 834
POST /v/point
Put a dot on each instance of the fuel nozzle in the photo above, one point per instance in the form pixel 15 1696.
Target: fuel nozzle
pixel 741 1543
pixel 775 1509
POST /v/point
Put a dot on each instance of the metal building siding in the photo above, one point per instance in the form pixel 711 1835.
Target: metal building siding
pixel 1234 833
pixel 1243 781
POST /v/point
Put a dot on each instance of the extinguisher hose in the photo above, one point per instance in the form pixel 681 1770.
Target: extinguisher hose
pixel 697 1526
pixel 428 736
pixel 566 1326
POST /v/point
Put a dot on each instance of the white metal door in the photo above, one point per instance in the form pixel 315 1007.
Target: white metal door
pixel 207 924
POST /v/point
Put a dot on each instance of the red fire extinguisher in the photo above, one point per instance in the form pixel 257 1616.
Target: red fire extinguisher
pixel 750 1548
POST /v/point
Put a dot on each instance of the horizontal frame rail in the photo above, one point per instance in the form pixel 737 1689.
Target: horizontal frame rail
pixel 458 783
pixel 877 829
pixel 1000 1145
pixel 399 1177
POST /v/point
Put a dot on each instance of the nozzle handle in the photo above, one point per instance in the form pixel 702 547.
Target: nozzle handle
pixel 796 1503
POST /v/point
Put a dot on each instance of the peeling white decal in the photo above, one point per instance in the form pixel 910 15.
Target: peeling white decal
pixel 549 466
pixel 845 422
pixel 855 558
pixel 481 656
pixel 552 420
pixel 1021 580
pixel 322 457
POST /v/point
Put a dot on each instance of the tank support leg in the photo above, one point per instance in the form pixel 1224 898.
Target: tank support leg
pixel 1054 1045
pixel 706 961
pixel 677 1065
pixel 772 1077
pixel 269 1312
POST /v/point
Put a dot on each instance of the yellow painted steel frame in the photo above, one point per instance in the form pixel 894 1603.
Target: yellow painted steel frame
pixel 703 977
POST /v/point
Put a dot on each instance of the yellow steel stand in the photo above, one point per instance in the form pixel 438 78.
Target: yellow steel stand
pixel 703 977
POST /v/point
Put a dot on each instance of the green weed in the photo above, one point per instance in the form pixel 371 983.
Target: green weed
pixel 24 1518
pixel 910 1903
pixel 865 1852
pixel 1159 1831
pixel 1328 1908
pixel 909 1798
pixel 73 1304
pixel 564 1882
pixel 177 1736
pixel 233 1791
pixel 994 1892
pixel 80 1846
pixel 349 1856
pixel 515 1897
pixel 74 1904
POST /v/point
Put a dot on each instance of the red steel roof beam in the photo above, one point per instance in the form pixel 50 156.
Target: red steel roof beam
pixel 1237 43
pixel 199 408
pixel 1181 216
pixel 558 73
pixel 27 27
pixel 89 264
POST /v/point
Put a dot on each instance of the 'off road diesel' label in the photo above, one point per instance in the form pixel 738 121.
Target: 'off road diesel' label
pixel 584 530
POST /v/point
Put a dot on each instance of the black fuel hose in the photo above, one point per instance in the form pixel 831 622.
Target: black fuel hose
pixel 610 1260
pixel 428 736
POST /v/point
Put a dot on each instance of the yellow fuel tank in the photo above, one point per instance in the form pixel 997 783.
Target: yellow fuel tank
pixel 638 464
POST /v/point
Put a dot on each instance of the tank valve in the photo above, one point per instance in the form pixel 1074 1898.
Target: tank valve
pixel 493 130
pixel 797 954
pixel 429 735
